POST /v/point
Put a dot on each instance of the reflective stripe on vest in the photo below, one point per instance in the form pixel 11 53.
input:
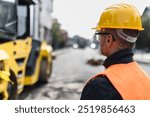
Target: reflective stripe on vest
pixel 130 80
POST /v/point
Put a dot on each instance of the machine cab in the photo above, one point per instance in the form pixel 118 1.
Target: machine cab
pixel 8 20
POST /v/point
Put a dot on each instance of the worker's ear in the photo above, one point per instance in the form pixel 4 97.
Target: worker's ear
pixel 109 40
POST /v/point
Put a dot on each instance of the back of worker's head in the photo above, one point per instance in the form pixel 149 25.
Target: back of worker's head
pixel 123 18
pixel 125 38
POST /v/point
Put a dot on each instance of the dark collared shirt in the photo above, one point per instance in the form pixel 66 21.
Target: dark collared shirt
pixel 101 88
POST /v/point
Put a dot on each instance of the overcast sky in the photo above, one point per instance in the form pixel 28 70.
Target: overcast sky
pixel 79 16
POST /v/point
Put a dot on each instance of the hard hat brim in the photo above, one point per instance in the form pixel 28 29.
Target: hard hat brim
pixel 99 28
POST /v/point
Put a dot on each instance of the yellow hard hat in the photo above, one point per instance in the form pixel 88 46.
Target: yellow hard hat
pixel 122 16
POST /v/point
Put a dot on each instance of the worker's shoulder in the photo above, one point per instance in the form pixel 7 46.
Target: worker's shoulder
pixel 100 80
pixel 103 85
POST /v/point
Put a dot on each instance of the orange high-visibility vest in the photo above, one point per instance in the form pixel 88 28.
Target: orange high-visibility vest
pixel 130 80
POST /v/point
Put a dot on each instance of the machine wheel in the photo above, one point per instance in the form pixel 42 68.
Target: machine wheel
pixel 12 88
pixel 45 71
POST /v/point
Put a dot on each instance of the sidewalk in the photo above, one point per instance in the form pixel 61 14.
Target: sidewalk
pixel 142 58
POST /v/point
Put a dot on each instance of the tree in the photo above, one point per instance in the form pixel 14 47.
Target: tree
pixel 59 36
pixel 143 41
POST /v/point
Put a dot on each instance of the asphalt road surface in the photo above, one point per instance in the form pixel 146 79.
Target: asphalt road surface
pixel 69 74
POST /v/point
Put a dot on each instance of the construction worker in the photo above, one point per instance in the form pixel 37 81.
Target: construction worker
pixel 118 29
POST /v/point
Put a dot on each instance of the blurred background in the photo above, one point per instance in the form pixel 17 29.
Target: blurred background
pixel 67 28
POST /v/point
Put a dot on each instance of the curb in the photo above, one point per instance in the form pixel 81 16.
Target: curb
pixel 143 61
